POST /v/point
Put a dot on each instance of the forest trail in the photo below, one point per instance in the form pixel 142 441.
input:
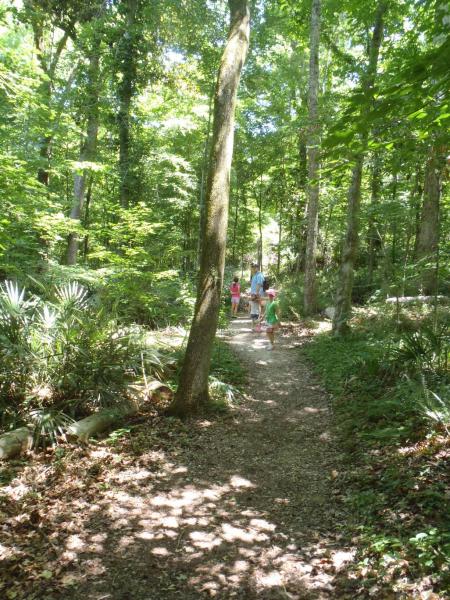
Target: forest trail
pixel 236 507
pixel 245 511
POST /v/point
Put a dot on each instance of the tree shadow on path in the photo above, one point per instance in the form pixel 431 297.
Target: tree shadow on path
pixel 235 507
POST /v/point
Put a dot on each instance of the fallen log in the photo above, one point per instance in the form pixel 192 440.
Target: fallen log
pixel 412 299
pixel 97 423
pixel 14 442
pixel 159 391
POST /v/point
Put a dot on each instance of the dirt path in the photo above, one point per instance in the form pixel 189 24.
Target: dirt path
pixel 238 507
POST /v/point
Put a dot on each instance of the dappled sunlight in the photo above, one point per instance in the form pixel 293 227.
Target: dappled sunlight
pixel 233 511
pixel 198 525
pixel 312 410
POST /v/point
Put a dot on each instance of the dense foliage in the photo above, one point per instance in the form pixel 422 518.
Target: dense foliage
pixel 128 245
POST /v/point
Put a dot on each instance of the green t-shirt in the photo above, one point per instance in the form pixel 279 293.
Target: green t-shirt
pixel 271 313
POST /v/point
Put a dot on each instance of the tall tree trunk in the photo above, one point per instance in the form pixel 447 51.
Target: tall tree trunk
pixel 280 232
pixel 193 392
pixel 300 217
pixel 86 218
pixel 415 192
pixel 126 90
pixel 312 215
pixel 235 222
pixel 389 254
pixel 260 233
pixel 202 212
pixel 373 234
pixel 88 149
pixel 349 253
pixel 245 232
pixel 428 235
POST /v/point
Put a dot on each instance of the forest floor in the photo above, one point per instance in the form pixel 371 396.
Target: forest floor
pixel 236 505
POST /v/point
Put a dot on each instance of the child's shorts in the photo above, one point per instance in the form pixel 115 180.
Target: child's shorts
pixel 234 300
pixel 271 328
pixel 254 317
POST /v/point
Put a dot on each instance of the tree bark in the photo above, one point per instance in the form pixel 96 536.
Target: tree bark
pixel 301 209
pixel 312 215
pixel 345 287
pixel 192 392
pixel 428 234
pixel 349 253
pixel 88 150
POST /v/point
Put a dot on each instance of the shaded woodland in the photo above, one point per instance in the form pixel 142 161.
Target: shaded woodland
pixel 150 152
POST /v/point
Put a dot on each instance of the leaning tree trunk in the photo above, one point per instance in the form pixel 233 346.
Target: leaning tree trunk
pixel 349 252
pixel 428 234
pixel 310 288
pixel 88 150
pixel 193 388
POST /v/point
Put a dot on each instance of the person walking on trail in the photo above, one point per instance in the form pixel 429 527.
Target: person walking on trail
pixel 272 317
pixel 235 291
pixel 257 285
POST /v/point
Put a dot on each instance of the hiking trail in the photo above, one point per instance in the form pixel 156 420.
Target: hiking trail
pixel 241 506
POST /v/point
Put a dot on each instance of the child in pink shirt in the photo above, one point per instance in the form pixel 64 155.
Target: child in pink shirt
pixel 235 290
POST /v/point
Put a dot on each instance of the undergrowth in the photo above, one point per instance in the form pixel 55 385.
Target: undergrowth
pixel 63 357
pixel 390 386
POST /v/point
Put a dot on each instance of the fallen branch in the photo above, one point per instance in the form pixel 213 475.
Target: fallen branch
pixel 97 423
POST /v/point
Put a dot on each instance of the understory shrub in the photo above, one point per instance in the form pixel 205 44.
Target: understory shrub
pixel 63 357
pixel 153 299
pixel 134 294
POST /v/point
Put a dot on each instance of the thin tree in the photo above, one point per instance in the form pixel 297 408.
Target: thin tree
pixel 310 289
pixel 127 51
pixel 89 145
pixel 192 392
pixel 350 249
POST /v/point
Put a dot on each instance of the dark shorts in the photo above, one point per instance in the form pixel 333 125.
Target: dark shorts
pixel 254 317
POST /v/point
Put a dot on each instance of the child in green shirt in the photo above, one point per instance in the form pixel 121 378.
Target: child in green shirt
pixel 272 317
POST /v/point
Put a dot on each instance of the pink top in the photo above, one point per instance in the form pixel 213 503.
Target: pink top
pixel 235 290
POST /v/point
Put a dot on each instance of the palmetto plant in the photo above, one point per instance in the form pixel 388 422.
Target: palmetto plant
pixel 426 349
pixel 48 426
pixel 63 357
